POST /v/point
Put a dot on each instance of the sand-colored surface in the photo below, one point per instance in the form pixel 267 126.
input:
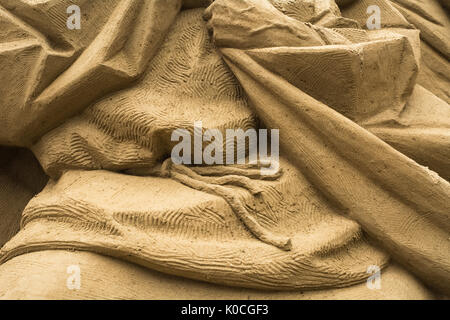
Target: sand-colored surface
pixel 104 277
pixel 364 126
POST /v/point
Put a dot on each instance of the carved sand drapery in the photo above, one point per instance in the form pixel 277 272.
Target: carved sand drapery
pixel 363 117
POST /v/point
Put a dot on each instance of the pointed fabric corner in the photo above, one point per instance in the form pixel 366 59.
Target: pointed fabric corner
pixel 400 203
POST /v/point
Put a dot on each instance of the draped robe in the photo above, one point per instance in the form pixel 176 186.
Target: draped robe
pixel 356 132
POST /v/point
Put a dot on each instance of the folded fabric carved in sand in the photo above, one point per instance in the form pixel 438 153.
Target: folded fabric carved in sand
pixel 364 126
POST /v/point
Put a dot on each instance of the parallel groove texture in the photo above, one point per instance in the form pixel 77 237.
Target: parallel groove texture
pixel 199 236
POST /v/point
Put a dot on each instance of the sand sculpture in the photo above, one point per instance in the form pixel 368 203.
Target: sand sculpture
pixel 364 125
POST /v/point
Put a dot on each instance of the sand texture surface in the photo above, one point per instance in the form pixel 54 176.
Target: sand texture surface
pixel 88 177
